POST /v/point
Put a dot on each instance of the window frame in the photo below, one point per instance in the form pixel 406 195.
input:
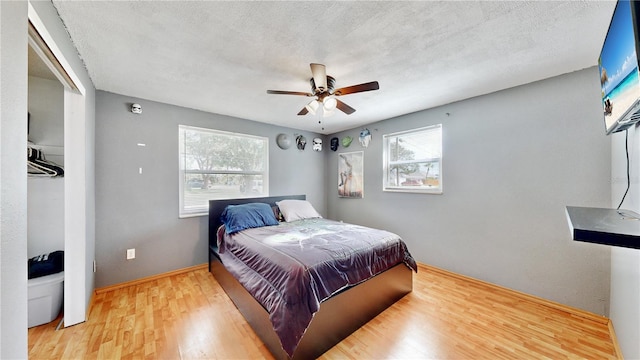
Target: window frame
pixel 387 163
pixel 182 172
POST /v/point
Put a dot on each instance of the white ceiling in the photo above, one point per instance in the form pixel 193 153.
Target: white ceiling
pixel 221 57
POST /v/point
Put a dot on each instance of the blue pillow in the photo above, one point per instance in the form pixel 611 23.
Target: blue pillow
pixel 239 217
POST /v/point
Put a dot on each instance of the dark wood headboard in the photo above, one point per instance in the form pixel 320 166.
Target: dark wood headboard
pixel 216 207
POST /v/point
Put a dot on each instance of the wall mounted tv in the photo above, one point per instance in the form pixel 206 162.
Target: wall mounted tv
pixel 618 64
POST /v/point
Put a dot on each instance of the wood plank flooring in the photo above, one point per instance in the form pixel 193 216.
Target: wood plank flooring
pixel 189 316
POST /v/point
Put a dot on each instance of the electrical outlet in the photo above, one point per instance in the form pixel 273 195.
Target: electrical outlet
pixel 131 254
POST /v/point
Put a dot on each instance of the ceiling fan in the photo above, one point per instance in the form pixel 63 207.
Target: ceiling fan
pixel 322 90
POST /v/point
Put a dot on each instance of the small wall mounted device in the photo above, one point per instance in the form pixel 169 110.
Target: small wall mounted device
pixel 136 108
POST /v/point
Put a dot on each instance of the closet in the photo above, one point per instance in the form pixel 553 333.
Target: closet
pixel 68 141
pixel 45 181
pixel 45 144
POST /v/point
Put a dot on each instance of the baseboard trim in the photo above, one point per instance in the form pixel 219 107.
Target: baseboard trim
pixel 92 302
pixel 150 278
pixel 538 300
pixel 614 338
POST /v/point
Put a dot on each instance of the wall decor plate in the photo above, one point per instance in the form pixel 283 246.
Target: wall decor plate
pixel 301 142
pixel 283 141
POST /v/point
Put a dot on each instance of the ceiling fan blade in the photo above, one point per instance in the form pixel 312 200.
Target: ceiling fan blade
pixel 345 108
pixel 282 92
pixel 304 111
pixel 357 88
pixel 319 73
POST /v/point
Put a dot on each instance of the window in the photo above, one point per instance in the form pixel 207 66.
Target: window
pixel 413 160
pixel 220 165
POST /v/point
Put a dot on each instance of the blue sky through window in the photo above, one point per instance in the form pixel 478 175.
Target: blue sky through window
pixel 618 54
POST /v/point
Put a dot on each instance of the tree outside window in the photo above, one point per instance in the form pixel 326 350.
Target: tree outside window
pixel 413 159
pixel 220 165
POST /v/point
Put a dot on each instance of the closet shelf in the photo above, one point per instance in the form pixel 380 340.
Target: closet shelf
pixel 53 150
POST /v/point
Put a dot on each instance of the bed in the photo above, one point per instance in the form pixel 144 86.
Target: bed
pixel 318 312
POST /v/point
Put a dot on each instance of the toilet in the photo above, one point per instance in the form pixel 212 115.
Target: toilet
pixel 45 298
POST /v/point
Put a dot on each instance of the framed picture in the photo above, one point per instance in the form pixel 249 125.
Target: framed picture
pixel 351 174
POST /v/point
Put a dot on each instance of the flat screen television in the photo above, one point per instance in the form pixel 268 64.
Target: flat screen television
pixel 618 64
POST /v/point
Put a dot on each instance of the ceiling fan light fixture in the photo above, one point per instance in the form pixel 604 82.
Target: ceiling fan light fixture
pixel 323 91
pixel 327 113
pixel 312 106
pixel 329 103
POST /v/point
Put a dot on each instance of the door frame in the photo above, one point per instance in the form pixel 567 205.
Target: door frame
pixel 75 183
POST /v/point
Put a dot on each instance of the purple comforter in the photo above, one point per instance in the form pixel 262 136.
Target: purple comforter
pixel 292 267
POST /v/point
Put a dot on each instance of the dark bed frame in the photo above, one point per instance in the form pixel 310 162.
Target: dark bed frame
pixel 338 317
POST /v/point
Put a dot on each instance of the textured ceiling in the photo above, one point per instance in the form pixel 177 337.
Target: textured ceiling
pixel 221 57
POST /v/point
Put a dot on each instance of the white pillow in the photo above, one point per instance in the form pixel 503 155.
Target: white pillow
pixel 297 210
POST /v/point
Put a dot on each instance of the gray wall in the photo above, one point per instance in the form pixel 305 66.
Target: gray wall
pixel 625 263
pixel 512 161
pixel 141 211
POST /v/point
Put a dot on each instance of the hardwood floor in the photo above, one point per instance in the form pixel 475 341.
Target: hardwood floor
pixel 189 316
